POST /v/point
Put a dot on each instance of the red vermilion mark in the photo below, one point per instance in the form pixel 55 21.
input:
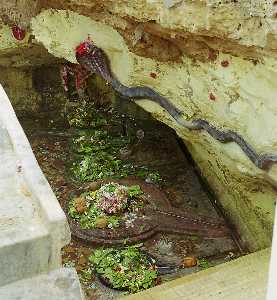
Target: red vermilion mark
pixel 81 49
pixel 212 97
pixel 18 32
pixel 225 63
pixel 153 75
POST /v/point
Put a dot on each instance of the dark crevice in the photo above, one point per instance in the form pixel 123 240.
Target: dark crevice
pixel 213 198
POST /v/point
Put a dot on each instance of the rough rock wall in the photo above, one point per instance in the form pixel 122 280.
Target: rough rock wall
pixel 197 28
pixel 19 11
pixel 214 59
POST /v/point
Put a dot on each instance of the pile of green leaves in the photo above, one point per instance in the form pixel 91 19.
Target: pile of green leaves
pixel 96 156
pixel 126 268
pixel 96 153
pixel 204 263
pixel 93 214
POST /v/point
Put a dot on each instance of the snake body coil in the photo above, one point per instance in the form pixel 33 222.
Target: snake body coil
pixel 95 60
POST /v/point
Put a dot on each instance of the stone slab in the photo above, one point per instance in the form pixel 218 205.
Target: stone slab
pixel 33 227
pixel 61 284
pixel 240 279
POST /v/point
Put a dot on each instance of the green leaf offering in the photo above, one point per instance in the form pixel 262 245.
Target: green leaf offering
pixel 127 269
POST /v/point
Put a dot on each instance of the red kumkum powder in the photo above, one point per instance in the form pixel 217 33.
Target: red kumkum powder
pixel 212 97
pixel 18 32
pixel 225 63
pixel 81 49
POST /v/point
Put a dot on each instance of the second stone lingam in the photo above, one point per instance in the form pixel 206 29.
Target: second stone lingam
pixel 151 214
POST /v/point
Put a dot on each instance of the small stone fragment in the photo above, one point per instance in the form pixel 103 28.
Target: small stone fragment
pixel 101 223
pixel 189 262
pixel 80 205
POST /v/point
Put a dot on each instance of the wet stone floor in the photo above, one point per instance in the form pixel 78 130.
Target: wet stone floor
pixel 146 151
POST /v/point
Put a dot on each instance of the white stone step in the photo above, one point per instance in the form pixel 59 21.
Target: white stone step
pixel 61 284
pixel 33 227
pixel 244 278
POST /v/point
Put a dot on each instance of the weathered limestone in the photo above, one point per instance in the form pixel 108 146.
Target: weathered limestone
pixel 197 28
pixel 19 11
pixel 214 59
pixel 33 227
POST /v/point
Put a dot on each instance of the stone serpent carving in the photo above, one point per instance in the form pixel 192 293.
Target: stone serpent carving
pixel 157 216
pixel 93 59
pixel 151 222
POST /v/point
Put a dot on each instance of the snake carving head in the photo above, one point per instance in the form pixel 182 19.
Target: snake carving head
pixel 84 48
pixel 93 59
